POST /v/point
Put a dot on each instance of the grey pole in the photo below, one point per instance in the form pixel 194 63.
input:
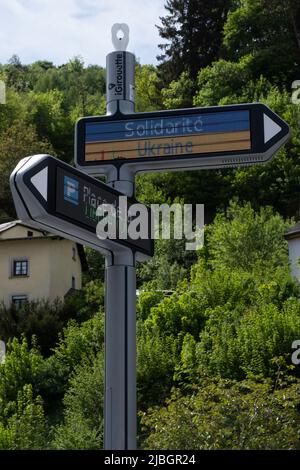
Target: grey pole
pixel 120 358
pixel 120 297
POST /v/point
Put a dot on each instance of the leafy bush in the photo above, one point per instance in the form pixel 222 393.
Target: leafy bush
pixel 176 314
pixel 22 424
pixel 245 239
pixel 82 427
pixel 21 367
pixel 145 301
pixel 169 265
pixel 77 343
pixel 226 415
pixel 43 319
pixel 156 359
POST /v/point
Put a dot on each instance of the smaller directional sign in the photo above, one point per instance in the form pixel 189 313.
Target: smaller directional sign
pixel 180 139
pixel 56 197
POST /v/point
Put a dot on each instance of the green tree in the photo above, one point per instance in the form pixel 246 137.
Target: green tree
pixel 88 86
pixel 262 28
pixel 243 238
pixel 193 33
pixel 226 82
pixel 24 425
pixel 147 94
pixel 179 93
pixel 96 265
pixel 13 111
pixel 156 359
pixel 17 74
pixel 241 342
pixel 169 265
pixel 45 112
pixel 19 141
pixel 224 414
pixel 76 344
pixel 43 319
pixel 21 367
pixel 82 427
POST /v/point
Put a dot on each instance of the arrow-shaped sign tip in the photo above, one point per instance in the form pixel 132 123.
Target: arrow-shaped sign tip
pixel 40 182
pixel 271 128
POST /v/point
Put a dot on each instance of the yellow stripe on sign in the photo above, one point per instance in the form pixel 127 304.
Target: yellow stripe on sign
pixel 167 147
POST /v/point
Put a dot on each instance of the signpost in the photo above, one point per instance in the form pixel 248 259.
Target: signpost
pixel 52 195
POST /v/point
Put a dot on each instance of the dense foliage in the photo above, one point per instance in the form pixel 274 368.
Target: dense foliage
pixel 193 32
pixel 214 355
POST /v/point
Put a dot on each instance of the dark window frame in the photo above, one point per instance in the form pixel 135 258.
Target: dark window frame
pixel 18 300
pixel 20 268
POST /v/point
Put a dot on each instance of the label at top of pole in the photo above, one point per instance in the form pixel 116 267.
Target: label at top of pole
pixel 120 68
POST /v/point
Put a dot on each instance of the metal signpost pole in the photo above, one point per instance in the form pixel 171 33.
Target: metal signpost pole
pixel 120 299
pixel 123 143
pixel 120 356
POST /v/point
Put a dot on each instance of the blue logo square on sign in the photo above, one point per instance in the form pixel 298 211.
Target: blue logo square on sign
pixel 71 190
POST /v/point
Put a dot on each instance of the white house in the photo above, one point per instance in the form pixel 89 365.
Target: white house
pixel 36 264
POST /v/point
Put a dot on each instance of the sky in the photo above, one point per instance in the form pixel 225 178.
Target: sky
pixel 59 30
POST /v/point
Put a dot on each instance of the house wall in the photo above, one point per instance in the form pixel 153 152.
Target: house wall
pixel 51 266
pixel 19 231
pixel 37 284
pixel 294 255
pixel 63 267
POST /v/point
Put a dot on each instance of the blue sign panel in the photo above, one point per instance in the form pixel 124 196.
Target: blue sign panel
pixel 167 127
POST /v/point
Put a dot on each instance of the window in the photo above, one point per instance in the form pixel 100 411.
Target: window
pixel 20 268
pixel 73 283
pixel 74 253
pixel 29 234
pixel 18 300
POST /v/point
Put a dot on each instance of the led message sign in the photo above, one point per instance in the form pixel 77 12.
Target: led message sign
pixel 53 191
pixel 167 139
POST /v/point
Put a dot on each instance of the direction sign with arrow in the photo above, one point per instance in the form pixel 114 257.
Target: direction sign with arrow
pixel 195 138
pixel 58 198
